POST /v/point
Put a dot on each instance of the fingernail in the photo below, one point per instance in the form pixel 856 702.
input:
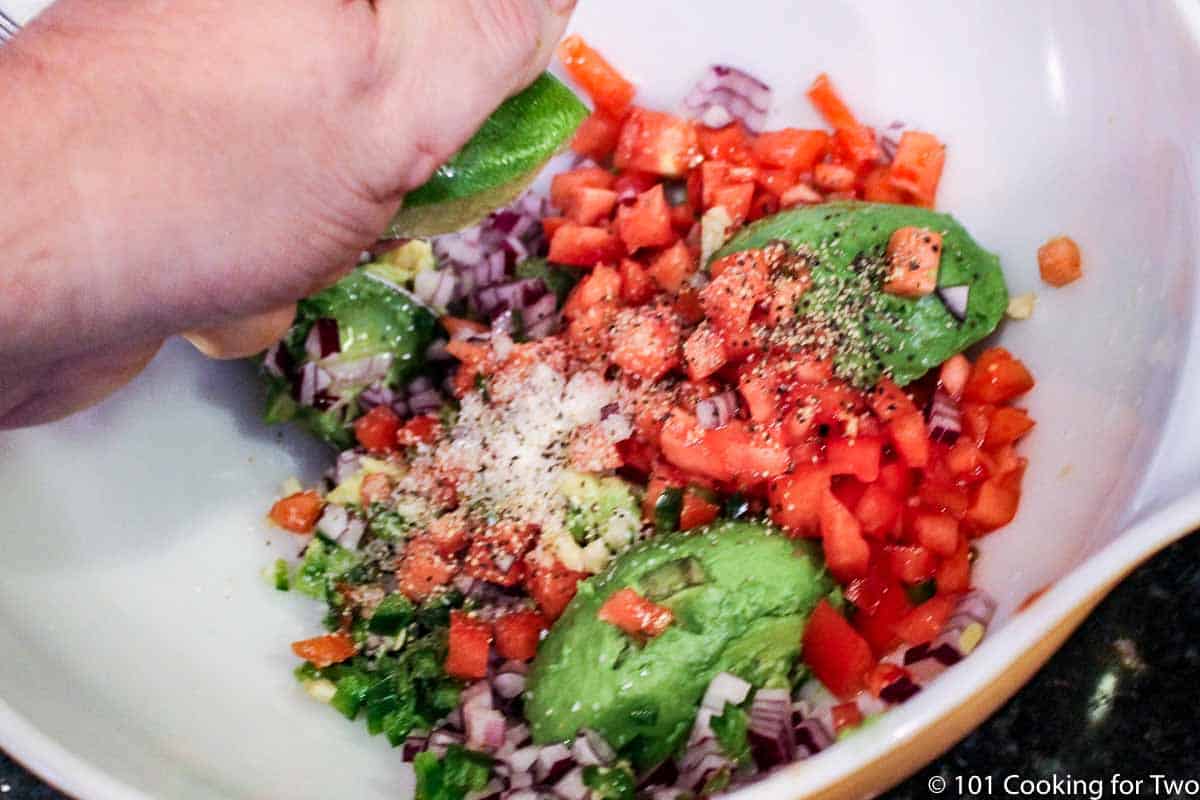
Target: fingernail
pixel 562 6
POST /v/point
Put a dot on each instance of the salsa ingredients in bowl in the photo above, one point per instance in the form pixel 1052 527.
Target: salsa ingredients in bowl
pixel 653 485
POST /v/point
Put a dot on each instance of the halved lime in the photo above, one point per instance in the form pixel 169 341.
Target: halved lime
pixel 497 164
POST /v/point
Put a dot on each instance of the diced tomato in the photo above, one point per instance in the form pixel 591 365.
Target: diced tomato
pixel 730 297
pixel 468 647
pixel 856 149
pixel 703 352
pixel 967 462
pixel 423 429
pixel 846 551
pixel 496 553
pixel 751 456
pixel 590 329
pixel 606 86
pixel 954 374
pixel 795 499
pixel 422 569
pixel 601 285
pixel 896 478
pixel 833 178
pixel 914 255
pixel 976 418
pixel 631 182
pixel 653 141
pixel 684 445
pixel 590 450
pixel 954 574
pixel 376 430
pixel 759 389
pixel 646 342
pixel 582 246
pixel 791 148
pixel 654 489
pixel 683 217
pixel 550 226
pixel 596 137
pixel 859 457
pixel 551 586
pixel 448 533
pixel 782 303
pixel 697 510
pixel 1005 460
pixel 878 511
pixel 877 188
pixel 325 651
pixel 995 503
pixel 376 488
pixel 471 354
pixel 800 195
pixel 910 564
pixel 1007 426
pixel 636 284
pixel 518 634
pixel 944 496
pixel 926 621
pixel 588 206
pixel 634 614
pixel 937 532
pixel 835 652
pixel 735 198
pixel 687 306
pixel 845 716
pixel 646 222
pixel 917 166
pixel 997 377
pixel 777 180
pixel 298 512
pixel 729 144
pixel 1059 261
pixel 829 103
pixel 910 438
pixel 565 184
pixel 672 266
pixel 881 602
pixel 889 400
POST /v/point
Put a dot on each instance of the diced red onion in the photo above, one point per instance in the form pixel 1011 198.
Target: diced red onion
pixel 425 402
pixel 725 688
pixel 348 462
pixel 509 685
pixel 517 736
pixel 772 740
pixel 377 394
pixel 334 521
pixel 571 785
pixel 583 752
pixel 313 379
pixel 524 794
pixel 437 288
pixel 546 327
pixel 541 309
pixel 889 140
pixel 419 384
pixel 704 770
pixel 811 738
pixel 553 762
pixel 899 690
pixel 976 605
pixel 869 705
pixel 702 727
pixel 414 745
pixel 477 695
pixel 455 719
pixel 278 361
pixel 485 727
pixel 358 371
pixel 716 411
pixel 955 298
pixel 353 533
pixel 726 94
pixel 437 351
pixel 440 740
pixel 945 419
pixel 522 760
pixel 323 339
pixel 519 780
pixel 665 792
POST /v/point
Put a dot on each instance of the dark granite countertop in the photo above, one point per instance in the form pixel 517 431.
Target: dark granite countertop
pixel 1120 697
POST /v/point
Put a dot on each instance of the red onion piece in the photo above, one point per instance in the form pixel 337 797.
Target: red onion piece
pixel 811 738
pixel 553 762
pixel 509 685
pixel 353 533
pixel 485 727
pixel 955 298
pixel 546 327
pixel 278 361
pixel 358 371
pixel 541 309
pixel 313 380
pixel 440 740
pixel 772 740
pixel 716 411
pixel 437 351
pixel 522 760
pixel 945 419
pixel 334 521
pixel 889 140
pixel 414 745
pixel 899 690
pixel 348 462
pixel 425 402
pixel 727 94
pixel 725 688
pixel 703 771
pixel 478 694
pixel 571 786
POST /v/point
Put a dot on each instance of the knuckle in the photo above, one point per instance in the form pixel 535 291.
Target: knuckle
pixel 511 31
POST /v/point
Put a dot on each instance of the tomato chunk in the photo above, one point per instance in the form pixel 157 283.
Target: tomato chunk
pixel 636 284
pixel 583 246
pixel 646 342
pixel 697 510
pixel 938 532
pixel 422 570
pixel 673 266
pixel 1007 425
pixel 917 166
pixel 911 438
pixel 926 621
pixel 860 457
pixel 914 255
pixel 606 86
pixel 646 222
pixel 552 586
pixel 795 499
pixel 703 352
pixel 634 614
pixel 997 377
pixel 566 184
pixel 846 551
pixel 835 652
pixel 325 651
pixel 878 511
pixel 470 642
pixel 495 554
pixel 588 206
pixel 518 634
pixel 298 512
pixel 653 141
pixel 596 137
pixel 1059 261
pixel 792 148
pixel 601 285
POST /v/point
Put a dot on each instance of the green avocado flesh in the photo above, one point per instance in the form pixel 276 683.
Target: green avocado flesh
pixel 741 594
pixel 847 244
pixel 497 164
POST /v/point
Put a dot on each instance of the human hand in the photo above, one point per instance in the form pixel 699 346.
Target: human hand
pixel 187 167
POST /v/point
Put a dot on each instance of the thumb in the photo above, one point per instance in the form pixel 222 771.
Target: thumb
pixel 447 65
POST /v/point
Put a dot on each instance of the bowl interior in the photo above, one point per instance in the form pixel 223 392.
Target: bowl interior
pixel 138 633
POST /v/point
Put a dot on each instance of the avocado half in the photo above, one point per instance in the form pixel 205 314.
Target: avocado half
pixel 497 164
pixel 904 337
pixel 741 594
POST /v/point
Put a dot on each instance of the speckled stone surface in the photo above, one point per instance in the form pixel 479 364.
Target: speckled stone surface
pixel 1120 697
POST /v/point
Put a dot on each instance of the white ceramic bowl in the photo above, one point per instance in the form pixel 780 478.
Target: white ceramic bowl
pixel 143 656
